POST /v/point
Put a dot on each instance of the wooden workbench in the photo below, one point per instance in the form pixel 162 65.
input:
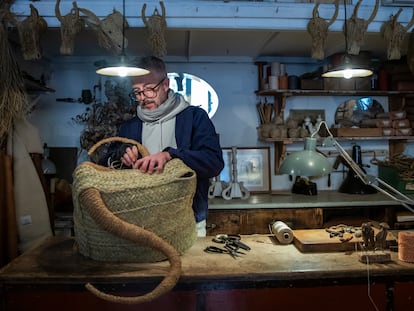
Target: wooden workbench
pixel 270 275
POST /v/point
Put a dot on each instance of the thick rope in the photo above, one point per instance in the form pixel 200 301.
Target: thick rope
pixel 94 205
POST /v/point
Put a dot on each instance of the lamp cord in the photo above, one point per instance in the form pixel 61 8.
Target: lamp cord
pixel 368 276
pixel 345 29
pixel 123 27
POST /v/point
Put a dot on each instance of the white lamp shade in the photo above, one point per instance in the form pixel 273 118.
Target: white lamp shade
pixel 122 71
pixel 348 73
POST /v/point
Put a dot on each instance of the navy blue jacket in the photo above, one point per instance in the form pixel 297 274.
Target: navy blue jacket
pixel 197 146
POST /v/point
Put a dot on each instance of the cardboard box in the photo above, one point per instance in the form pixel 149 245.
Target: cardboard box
pixel 308 84
pixel 346 84
pixel 390 175
pixel 356 132
pixel 339 84
pixel 362 84
pixel 354 84
pixel 331 83
pixel 405 86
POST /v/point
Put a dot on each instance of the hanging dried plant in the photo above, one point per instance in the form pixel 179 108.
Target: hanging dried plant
pixel 14 103
pixel 101 120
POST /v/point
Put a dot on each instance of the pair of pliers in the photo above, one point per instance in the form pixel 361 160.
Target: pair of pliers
pixel 231 240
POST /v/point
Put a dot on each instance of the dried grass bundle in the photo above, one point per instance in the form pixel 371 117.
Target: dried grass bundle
pixel 13 98
pixel 102 119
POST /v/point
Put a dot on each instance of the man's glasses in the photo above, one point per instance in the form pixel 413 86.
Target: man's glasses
pixel 149 92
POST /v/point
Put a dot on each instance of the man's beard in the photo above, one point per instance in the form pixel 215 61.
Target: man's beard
pixel 144 103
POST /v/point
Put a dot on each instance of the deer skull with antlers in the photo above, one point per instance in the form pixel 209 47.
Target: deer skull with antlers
pixel 318 29
pixel 394 33
pixel 109 30
pixel 71 25
pixel 356 28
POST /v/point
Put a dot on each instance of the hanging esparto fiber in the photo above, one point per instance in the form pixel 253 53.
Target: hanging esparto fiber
pixel 13 98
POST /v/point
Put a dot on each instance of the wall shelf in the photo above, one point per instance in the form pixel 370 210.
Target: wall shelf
pixel 36 87
pixel 396 143
pixel 280 96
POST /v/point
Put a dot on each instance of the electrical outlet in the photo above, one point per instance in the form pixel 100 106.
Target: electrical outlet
pixel 26 220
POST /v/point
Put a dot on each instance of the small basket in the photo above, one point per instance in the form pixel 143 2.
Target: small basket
pixel 130 216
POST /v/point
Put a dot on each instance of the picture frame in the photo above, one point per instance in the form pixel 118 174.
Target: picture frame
pixel 253 168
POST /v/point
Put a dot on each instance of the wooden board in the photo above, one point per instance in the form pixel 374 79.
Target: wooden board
pixel 318 240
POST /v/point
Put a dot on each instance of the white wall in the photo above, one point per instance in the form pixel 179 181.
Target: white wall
pixel 236 118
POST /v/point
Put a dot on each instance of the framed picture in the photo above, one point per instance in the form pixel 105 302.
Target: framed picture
pixel 253 168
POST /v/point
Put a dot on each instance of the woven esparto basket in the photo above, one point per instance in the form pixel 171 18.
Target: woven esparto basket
pixel 130 216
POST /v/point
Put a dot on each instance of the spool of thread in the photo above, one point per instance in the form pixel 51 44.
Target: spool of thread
pixel 406 246
pixel 293 82
pixel 275 69
pixel 283 82
pixel 282 69
pixel 282 232
pixel 273 83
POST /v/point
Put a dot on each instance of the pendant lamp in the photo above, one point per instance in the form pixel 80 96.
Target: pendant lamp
pixel 122 68
pixel 347 69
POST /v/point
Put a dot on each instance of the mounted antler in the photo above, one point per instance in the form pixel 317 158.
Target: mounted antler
pixel 394 33
pixel 318 29
pixel 29 34
pixel 156 26
pixel 109 30
pixel 356 28
pixel 71 25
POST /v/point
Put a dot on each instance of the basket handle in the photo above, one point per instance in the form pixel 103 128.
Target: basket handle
pixel 92 201
pixel 141 149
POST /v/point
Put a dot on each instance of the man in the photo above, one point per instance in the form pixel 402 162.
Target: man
pixel 169 127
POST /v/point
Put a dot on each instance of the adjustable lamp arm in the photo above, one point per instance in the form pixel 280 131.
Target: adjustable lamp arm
pixel 371 180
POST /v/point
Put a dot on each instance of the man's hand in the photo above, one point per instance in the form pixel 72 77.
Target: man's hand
pixel 149 164
pixel 153 162
pixel 130 156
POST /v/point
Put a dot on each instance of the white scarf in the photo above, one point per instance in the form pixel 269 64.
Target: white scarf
pixel 158 129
